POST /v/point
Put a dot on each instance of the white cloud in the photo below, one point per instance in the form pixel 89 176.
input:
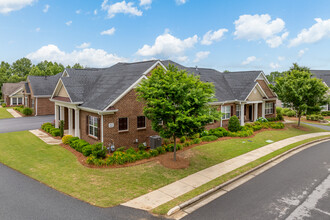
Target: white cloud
pixel 111 31
pixel 302 52
pixel 315 33
pixel 84 45
pixel 95 12
pixel 181 58
pixel 120 7
pixel 280 58
pixel 78 11
pixel 274 65
pixel 180 2
pixel 167 45
pixel 211 36
pixel 68 23
pixel 249 60
pixel 46 8
pixel 201 55
pixel 146 3
pixel 37 29
pixel 87 57
pixel 256 27
pixel 7 6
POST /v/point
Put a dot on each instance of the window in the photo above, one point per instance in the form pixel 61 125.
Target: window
pixel 20 101
pixel 238 111
pixel 14 100
pixel 226 111
pixel 93 126
pixel 141 122
pixel 123 124
pixel 269 108
pixel 32 103
pixel 26 101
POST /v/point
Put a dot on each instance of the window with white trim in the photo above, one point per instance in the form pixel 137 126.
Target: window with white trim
pixel 226 111
pixel 14 101
pixel 141 122
pixel 238 111
pixel 269 108
pixel 93 126
pixel 19 101
pixel 123 124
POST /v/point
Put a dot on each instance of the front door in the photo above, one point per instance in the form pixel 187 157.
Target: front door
pixel 250 112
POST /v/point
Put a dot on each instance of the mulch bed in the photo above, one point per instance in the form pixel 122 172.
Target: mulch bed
pixel 165 159
pixel 58 137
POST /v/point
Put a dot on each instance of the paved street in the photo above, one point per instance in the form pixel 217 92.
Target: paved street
pixel 297 188
pixel 23 198
pixel 24 123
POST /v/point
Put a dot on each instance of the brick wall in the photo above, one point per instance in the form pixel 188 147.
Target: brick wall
pixel 45 106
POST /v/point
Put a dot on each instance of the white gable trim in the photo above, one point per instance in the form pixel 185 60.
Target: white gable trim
pixel 65 73
pixel 57 85
pixel 153 66
pixel 259 89
pixel 17 91
pixel 262 74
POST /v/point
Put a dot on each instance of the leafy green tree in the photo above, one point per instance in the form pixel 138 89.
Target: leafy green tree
pixel 177 103
pixel 77 66
pixel 22 67
pixel 35 71
pixel 300 91
pixel 273 75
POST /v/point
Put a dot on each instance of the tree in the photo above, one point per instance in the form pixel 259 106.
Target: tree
pixel 179 100
pixel 77 66
pixel 300 91
pixel 273 75
pixel 22 67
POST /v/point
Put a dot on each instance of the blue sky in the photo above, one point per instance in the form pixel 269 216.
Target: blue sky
pixel 225 35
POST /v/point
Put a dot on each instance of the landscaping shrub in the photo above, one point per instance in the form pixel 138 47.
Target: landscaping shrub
pixel 325 113
pixel 261 119
pixel 65 139
pixel 3 105
pixel 98 150
pixel 277 125
pixel 279 110
pixel 182 139
pixel 98 162
pixel 72 139
pixel 130 151
pixel 121 149
pixel 179 146
pixel 209 138
pixel 291 113
pixel 143 154
pixel 197 141
pixel 204 133
pixel 187 144
pixel 27 111
pixel 55 132
pixel 142 147
pixel 90 160
pixel 79 144
pixel 87 150
pixel 166 141
pixel 154 153
pixel 314 117
pixel 61 128
pixel 285 111
pixel 161 150
pixel 44 125
pixel 256 127
pixel 279 116
pixel 272 119
pixel 233 124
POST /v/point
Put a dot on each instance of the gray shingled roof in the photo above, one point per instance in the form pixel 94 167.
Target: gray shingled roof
pixel 27 88
pixel 9 88
pixel 322 74
pixel 43 85
pixel 96 88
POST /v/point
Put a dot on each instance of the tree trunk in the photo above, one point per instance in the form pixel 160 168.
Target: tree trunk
pixel 299 116
pixel 174 151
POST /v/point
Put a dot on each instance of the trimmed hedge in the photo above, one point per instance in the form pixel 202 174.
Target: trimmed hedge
pixel 314 117
pixel 234 124
pixel 49 128
pixel 325 113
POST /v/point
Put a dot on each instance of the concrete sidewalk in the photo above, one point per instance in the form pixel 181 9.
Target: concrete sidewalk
pixel 45 137
pixel 167 193
pixel 13 113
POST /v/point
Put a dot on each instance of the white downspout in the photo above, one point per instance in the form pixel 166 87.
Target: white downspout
pixel 36 106
pixel 102 128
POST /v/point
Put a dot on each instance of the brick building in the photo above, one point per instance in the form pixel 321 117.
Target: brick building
pixel 12 93
pixel 99 104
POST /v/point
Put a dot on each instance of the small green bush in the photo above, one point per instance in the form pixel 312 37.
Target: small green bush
pixel 197 141
pixel 44 125
pixel 314 117
pixel 291 113
pixel 90 160
pixel 279 110
pixel 187 144
pixel 130 151
pixel 142 147
pixel 65 139
pixel 182 139
pixel 27 111
pixel 209 138
pixel 261 119
pixel 55 132
pixel 72 139
pixel 256 127
pixel 277 125
pixel 3 105
pixel 161 150
pixel 121 149
pixel 154 153
pixel 87 150
pixel 99 162
pixel 61 128
pixel 98 150
pixel 79 144
pixel 166 141
pixel 285 111
pixel 233 124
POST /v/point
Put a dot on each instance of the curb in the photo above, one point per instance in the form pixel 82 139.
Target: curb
pixel 213 190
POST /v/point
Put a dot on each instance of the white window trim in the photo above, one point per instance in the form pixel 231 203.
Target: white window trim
pixel 238 109
pixel 92 125
pixel 269 110
pixel 224 111
pixel 145 122
pixel 127 125
pixel 18 99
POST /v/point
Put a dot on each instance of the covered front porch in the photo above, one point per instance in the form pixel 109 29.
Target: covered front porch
pixel 70 115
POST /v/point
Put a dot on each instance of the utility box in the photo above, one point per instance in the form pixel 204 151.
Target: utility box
pixel 155 141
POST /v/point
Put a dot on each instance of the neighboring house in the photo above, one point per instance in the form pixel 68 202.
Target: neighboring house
pixel 325 76
pixel 12 93
pixel 99 105
pixel 37 92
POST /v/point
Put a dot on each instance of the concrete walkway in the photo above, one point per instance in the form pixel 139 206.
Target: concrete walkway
pixel 13 113
pixel 45 137
pixel 167 193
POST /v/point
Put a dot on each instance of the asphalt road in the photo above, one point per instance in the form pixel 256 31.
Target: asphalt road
pixel 23 123
pixel 325 127
pixel 23 198
pixel 297 188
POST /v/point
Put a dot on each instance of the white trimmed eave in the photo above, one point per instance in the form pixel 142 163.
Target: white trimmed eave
pixel 14 93
pixel 261 91
pixel 229 101
pixel 267 82
pixel 60 80
pixel 109 112
pixel 66 104
pixel 41 96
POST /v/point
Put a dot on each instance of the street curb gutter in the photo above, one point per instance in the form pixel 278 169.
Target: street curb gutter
pixel 213 190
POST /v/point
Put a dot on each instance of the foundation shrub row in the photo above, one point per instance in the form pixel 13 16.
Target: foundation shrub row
pixel 50 129
pixel 24 110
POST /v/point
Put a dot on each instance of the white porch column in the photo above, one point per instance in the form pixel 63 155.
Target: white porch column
pixel 70 121
pixel 263 109
pixel 61 113
pixel 102 128
pixel 255 108
pixel 77 126
pixel 56 116
pixel 11 100
pixel 242 114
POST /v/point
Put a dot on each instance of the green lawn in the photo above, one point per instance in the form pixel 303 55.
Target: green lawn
pixel 58 168
pixel 4 113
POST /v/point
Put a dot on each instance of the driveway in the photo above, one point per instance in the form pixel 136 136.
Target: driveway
pixel 23 123
pixel 23 198
pixel 297 188
pixel 325 127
